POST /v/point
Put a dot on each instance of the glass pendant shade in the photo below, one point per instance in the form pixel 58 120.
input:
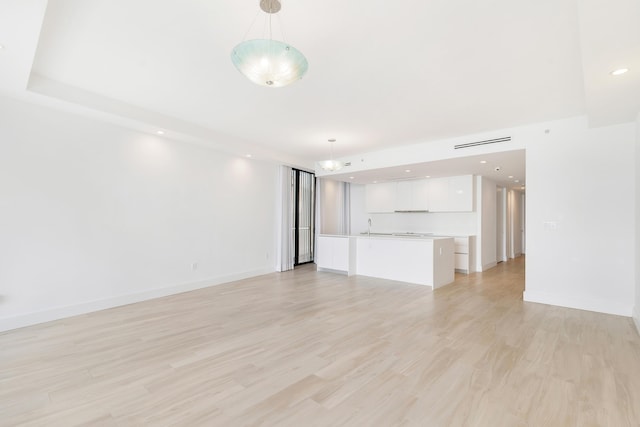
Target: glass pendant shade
pixel 269 62
pixel 331 165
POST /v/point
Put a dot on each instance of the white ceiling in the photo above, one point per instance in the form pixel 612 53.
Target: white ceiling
pixel 506 168
pixel 381 73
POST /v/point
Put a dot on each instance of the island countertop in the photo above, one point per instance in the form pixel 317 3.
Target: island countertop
pixel 403 236
pixel 420 259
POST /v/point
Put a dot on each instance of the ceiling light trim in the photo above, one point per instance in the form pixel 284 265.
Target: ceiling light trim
pixel 619 71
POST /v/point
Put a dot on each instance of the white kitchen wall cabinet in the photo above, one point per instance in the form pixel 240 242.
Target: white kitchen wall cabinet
pixel 420 195
pixel 452 194
pixel 404 196
pixel 461 193
pixel 412 195
pixel 381 198
pixel 439 195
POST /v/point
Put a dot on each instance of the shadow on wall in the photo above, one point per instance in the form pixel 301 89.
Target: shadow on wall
pixel 333 207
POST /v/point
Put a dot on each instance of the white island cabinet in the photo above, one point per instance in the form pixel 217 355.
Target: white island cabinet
pixel 423 261
pixel 336 253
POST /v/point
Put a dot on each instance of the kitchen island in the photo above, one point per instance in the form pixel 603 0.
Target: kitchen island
pixel 420 259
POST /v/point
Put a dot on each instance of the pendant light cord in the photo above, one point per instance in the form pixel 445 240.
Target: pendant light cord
pixel 267 23
pixel 284 39
pixel 251 26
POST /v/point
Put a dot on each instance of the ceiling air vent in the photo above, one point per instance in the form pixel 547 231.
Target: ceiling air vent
pixel 487 142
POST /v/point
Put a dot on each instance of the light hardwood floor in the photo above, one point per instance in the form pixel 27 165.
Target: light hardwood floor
pixel 304 348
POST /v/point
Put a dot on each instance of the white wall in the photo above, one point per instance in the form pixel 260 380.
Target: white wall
pixel 93 215
pixel 486 240
pixel 580 217
pixel 636 314
pixel 332 210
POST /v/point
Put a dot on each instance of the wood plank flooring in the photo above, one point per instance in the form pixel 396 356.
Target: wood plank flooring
pixel 304 348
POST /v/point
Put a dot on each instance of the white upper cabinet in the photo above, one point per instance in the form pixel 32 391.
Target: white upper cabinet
pixel 419 195
pixel 404 196
pixel 381 197
pixel 461 193
pixel 439 195
pixel 411 195
pixel 452 194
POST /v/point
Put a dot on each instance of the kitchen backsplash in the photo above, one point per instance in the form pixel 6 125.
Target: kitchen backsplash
pixel 438 223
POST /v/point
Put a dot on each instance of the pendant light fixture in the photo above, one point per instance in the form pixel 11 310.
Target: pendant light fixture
pixel 269 62
pixel 331 165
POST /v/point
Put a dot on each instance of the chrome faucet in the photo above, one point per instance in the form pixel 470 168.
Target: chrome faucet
pixel 369 232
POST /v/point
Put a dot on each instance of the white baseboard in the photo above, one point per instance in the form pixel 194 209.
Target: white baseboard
pixel 571 301
pixel 489 265
pixel 636 317
pixel 330 270
pixel 57 313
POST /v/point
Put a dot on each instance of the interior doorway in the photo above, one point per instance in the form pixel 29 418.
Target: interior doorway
pixel 501 224
pixel 515 223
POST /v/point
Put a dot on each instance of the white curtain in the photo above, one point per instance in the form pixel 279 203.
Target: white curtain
pixel 333 212
pixel 286 246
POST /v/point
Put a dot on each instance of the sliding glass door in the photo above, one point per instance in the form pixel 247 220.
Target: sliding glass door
pixel 303 225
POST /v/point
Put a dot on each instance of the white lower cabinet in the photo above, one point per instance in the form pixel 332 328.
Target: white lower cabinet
pixel 336 253
pixel 464 253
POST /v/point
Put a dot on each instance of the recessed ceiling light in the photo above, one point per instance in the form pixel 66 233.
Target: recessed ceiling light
pixel 351 177
pixel 427 176
pixel 375 182
pixel 517 180
pixel 510 176
pixel 619 71
pixel 160 132
pixel 1 46
pixel 483 161
pixel 407 170
pixel 248 156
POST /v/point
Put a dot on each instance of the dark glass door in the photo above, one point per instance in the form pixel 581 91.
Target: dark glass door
pixel 304 217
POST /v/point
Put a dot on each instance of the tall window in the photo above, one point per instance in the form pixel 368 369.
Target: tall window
pixel 303 225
